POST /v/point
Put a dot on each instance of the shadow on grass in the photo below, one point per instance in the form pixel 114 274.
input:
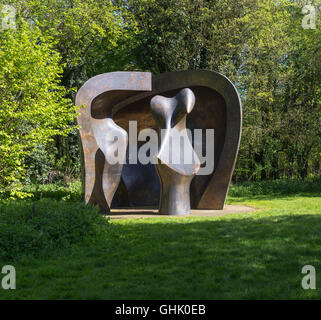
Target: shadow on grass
pixel 186 258
pixel 255 256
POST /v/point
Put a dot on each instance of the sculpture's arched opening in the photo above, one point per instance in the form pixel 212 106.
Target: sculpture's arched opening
pixel 125 96
pixel 141 180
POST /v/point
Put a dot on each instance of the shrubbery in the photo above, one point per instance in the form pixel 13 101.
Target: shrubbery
pixel 276 187
pixel 34 106
pixel 58 191
pixel 41 227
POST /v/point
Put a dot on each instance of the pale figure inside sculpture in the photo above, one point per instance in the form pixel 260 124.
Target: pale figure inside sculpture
pixel 177 161
pixel 113 99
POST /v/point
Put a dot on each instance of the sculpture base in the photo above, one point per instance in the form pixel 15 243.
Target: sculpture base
pixel 153 212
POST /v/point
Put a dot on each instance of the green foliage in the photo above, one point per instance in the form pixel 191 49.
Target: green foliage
pixel 52 238
pixel 33 104
pixel 92 37
pixel 275 63
pixel 40 163
pixel 282 97
pixel 45 226
pixel 187 34
pixel 259 44
pixel 48 163
pixel 59 191
pixel 284 187
pixel 255 255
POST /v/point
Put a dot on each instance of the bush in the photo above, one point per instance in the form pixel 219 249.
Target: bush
pixel 57 191
pixel 34 106
pixel 37 228
pixel 276 187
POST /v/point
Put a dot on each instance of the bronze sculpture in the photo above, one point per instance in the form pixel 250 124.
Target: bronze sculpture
pixel 95 121
pixel 175 177
pixel 125 96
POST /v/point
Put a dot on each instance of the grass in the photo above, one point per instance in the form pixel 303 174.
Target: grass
pixel 256 255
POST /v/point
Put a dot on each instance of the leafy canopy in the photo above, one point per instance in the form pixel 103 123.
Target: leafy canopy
pixel 33 104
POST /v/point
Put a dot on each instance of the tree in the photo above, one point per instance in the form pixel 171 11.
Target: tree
pixel 92 37
pixel 188 34
pixel 33 104
pixel 280 74
pixel 261 46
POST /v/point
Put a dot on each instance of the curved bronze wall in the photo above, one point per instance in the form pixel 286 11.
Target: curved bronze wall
pixel 125 96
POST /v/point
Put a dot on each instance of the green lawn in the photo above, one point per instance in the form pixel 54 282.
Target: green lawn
pixel 243 256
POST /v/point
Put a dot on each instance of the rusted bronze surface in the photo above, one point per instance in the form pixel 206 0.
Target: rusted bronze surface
pixel 101 177
pixel 124 96
pixel 219 105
